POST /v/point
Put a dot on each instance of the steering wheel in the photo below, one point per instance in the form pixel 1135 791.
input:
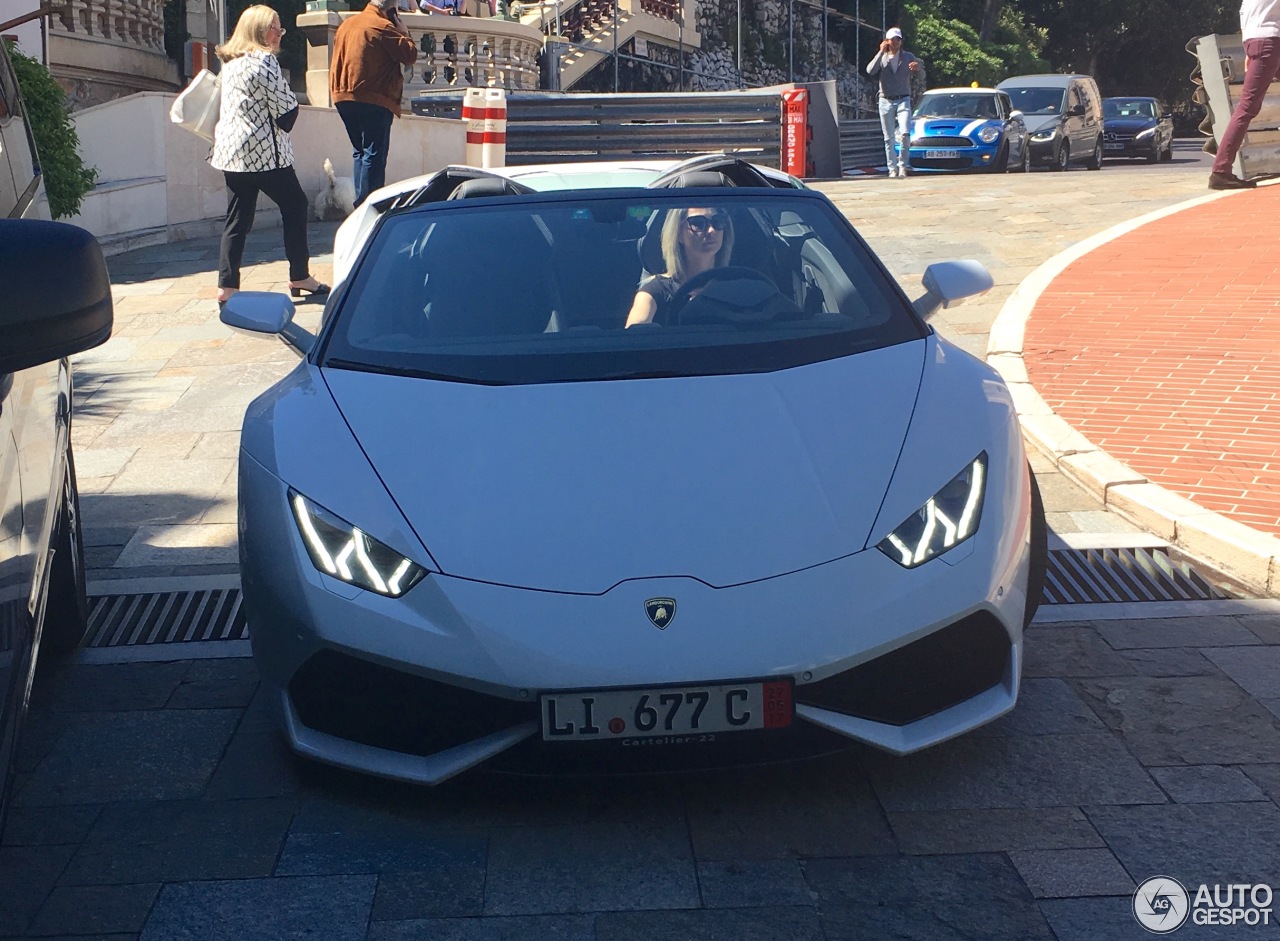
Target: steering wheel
pixel 731 295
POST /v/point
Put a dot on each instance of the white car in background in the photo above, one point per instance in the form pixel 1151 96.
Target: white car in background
pixel 484 522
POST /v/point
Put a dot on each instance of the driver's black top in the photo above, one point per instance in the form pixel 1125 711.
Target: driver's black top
pixel 662 288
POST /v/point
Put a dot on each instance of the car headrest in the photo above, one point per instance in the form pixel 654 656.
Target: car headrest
pixel 485 186
pixel 700 178
pixel 651 245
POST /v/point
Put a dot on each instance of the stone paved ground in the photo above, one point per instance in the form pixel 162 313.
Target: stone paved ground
pixel 154 802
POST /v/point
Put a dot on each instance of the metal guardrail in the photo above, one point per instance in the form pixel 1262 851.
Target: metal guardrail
pixel 551 127
pixel 1221 66
pixel 861 144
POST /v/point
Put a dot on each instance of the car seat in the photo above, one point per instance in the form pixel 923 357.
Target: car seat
pixel 468 296
pixel 597 267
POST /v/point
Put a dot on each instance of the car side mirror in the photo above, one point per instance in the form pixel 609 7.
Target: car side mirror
pixel 1167 116
pixel 1015 114
pixel 1075 111
pixel 266 313
pixel 950 283
pixel 56 294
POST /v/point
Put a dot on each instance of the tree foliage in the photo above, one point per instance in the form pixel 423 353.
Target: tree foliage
pixel 1132 47
pixel 954 52
pixel 66 178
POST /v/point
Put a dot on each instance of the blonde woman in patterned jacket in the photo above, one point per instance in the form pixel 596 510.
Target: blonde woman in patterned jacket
pixel 251 147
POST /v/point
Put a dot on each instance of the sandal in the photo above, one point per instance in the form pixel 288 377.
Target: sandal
pixel 320 290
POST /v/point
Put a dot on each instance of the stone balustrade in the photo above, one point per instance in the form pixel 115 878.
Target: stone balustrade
pixel 456 51
pixel 130 22
pixel 101 49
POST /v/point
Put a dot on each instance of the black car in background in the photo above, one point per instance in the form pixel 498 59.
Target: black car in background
pixel 1137 127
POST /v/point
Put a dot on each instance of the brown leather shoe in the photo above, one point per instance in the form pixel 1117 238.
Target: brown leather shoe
pixel 1229 181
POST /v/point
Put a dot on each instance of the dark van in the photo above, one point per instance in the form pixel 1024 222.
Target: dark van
pixel 1063 114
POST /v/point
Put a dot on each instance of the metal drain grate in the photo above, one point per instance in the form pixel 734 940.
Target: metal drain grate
pixel 1074 576
pixel 166 618
pixel 1084 576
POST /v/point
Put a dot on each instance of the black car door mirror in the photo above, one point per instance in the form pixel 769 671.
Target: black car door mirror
pixel 56 295
pixel 1075 111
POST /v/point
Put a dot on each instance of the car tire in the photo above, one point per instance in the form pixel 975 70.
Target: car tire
pixel 1095 161
pixel 1001 164
pixel 1061 158
pixel 1039 553
pixel 66 616
pixel 1026 158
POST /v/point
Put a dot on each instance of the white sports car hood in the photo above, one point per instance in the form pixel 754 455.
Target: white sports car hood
pixel 578 486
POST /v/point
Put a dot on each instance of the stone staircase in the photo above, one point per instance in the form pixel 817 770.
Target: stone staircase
pixel 588 27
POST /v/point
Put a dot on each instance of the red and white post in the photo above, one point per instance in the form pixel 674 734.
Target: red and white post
pixel 485 111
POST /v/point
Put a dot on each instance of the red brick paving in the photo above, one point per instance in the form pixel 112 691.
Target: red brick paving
pixel 1163 348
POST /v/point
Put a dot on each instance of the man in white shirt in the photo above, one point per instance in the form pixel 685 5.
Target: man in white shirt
pixel 893 66
pixel 1260 30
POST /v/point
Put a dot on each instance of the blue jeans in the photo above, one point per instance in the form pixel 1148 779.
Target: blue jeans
pixel 369 130
pixel 895 116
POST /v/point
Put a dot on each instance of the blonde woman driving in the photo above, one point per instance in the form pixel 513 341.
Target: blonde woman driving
pixel 693 241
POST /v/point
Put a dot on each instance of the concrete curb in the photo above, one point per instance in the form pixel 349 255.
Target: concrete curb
pixel 1242 554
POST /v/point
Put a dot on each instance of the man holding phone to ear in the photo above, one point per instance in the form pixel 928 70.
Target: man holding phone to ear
pixel 894 67
pixel 366 83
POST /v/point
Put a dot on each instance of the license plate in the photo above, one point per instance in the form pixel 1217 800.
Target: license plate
pixel 1113 146
pixel 943 154
pixel 609 714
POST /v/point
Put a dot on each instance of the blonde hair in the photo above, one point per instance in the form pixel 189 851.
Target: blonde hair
pixel 250 34
pixel 673 250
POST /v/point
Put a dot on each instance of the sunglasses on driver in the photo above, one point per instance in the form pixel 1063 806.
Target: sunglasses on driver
pixel 702 224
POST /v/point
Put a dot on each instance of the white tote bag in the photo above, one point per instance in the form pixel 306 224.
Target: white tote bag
pixel 196 107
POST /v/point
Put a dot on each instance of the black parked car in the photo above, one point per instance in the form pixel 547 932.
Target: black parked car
pixel 1137 127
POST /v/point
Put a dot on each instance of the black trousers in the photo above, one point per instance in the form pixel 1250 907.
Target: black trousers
pixel 283 189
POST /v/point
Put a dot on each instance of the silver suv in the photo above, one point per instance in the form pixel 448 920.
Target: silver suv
pixel 1063 114
pixel 55 301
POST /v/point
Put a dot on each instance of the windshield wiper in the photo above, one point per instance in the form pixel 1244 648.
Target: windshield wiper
pixel 642 374
pixel 407 372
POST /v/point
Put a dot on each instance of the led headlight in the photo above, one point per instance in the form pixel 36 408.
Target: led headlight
pixel 1044 135
pixel 343 551
pixel 1143 135
pixel 947 519
pixel 989 134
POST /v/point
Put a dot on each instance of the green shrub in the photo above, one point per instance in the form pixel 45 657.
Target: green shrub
pixel 66 178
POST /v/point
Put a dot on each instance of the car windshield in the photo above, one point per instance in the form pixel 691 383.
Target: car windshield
pixel 957 106
pixel 1037 100
pixel 540 289
pixel 1126 108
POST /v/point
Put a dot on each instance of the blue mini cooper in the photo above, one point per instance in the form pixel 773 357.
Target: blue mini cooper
pixel 968 129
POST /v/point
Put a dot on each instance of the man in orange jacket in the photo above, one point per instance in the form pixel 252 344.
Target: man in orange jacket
pixel 366 82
